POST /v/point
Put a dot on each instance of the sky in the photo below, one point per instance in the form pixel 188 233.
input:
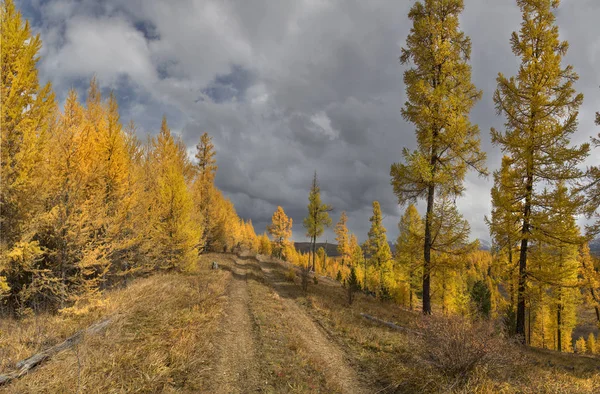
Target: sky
pixel 287 87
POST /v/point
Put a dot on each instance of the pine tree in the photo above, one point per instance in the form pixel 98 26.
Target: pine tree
pixel 342 238
pixel 540 105
pixel 440 97
pixel 281 230
pixel 318 217
pixel 409 250
pixel 377 247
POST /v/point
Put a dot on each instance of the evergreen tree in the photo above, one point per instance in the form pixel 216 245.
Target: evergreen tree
pixel 541 110
pixel 281 230
pixel 318 217
pixel 440 97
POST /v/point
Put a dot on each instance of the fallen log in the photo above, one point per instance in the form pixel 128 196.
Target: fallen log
pixel 390 324
pixel 26 365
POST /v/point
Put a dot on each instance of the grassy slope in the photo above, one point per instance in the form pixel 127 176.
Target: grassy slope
pixel 158 341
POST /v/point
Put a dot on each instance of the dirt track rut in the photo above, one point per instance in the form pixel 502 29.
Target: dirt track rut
pixel 243 360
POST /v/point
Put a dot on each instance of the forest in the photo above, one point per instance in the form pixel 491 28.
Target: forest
pixel 89 207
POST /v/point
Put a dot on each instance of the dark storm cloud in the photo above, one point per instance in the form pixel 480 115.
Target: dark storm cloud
pixel 289 87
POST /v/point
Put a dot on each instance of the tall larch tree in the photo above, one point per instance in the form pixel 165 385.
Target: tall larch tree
pixel 318 217
pixel 409 250
pixel 504 229
pixel 26 112
pixel 541 107
pixel 280 230
pixel 377 247
pixel 440 96
pixel 204 183
pixel 343 239
pixel 592 189
pixel 174 234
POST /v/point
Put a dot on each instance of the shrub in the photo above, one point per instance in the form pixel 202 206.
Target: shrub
pixel 305 277
pixel 457 348
pixel 338 277
pixel 290 275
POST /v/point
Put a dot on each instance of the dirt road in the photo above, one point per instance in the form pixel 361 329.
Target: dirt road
pixel 268 343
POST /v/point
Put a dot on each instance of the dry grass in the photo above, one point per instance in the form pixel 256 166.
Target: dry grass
pixel 453 357
pixel 157 342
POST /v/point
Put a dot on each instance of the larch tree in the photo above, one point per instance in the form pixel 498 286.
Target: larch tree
pixel 409 250
pixel 204 183
pixel 26 113
pixel 378 249
pixel 590 279
pixel 356 252
pixel 504 229
pixel 318 217
pixel 174 233
pixel 280 229
pixel 440 97
pixel 342 238
pixel 541 107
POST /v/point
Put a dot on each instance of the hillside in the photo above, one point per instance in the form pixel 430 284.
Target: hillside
pixel 331 248
pixel 305 247
pixel 248 327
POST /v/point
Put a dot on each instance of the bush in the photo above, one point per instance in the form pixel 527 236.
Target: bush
pixel 305 277
pixel 290 275
pixel 456 347
pixel 338 277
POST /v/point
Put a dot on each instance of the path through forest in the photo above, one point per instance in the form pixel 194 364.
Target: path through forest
pixel 268 343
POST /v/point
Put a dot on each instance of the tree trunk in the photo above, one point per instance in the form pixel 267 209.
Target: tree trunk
pixel 520 331
pixel 314 247
pixel 427 252
pixel 558 325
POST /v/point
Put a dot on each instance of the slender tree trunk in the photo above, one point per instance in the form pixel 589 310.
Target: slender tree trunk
pixel 523 261
pixel 314 247
pixel 427 252
pixel 410 289
pixel 559 323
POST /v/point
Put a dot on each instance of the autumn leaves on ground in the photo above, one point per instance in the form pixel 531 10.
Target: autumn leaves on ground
pixel 123 268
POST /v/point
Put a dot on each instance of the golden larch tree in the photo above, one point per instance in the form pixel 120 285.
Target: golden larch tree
pixel 541 107
pixel 440 96
pixel 342 238
pixel 280 230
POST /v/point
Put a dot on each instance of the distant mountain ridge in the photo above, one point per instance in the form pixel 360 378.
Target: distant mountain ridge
pixel 331 248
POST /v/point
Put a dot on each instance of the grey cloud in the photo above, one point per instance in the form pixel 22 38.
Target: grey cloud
pixel 287 87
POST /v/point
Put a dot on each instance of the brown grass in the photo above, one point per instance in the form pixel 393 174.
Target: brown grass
pixel 394 362
pixel 157 342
